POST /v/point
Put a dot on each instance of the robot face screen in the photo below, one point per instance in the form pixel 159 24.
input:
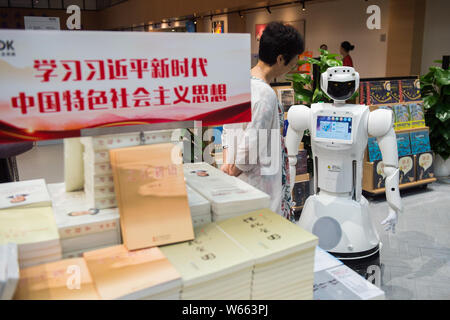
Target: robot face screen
pixel 341 90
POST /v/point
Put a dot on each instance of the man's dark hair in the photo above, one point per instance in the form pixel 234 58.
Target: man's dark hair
pixel 277 39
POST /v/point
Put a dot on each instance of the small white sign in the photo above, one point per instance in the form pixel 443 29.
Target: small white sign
pixel 41 23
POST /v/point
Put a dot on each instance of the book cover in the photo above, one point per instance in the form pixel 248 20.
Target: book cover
pixel 420 141
pixel 151 195
pixel 67 279
pixel 378 175
pixel 401 116
pixel 300 192
pixel 28 226
pixel 403 144
pixel 28 193
pixel 406 166
pixel 374 149
pixel 410 90
pixel 380 92
pixel 268 236
pixel 302 162
pixel 424 165
pixel 395 91
pixel 211 255
pixel 122 274
pixel 417 115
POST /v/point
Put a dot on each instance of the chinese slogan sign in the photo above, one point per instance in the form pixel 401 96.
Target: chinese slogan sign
pixel 55 83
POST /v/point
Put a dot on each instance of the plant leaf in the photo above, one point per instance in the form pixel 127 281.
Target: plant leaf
pixel 303 98
pixel 442 112
pixel 302 62
pixel 313 61
pixel 438 61
pixel 443 77
pixel 430 101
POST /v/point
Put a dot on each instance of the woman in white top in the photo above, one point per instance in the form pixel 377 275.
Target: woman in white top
pixel 255 151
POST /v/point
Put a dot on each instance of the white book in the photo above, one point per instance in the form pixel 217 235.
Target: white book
pixel 198 204
pixel 3 267
pixel 228 195
pixel 12 271
pixel 29 193
pixel 74 217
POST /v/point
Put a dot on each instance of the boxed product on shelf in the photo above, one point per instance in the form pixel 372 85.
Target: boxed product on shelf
pixel 402 117
pixel 406 167
pixel 151 195
pixel 410 89
pixel 35 232
pixel 417 115
pixel 28 193
pixel 378 174
pixel 52 281
pixel 229 196
pixel 380 92
pixel 9 270
pixel 213 266
pixel 420 141
pixel 302 162
pixel 280 250
pixel 403 144
pixel 424 165
pixel 130 275
pixel 374 149
pixel 300 192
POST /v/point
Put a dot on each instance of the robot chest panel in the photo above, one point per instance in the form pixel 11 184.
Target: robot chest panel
pixel 340 130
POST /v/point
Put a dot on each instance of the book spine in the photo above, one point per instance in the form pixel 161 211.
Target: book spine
pixel 71 232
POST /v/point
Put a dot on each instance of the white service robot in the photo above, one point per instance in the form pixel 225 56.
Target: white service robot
pixel 337 212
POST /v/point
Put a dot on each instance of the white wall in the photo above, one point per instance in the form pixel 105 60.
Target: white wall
pixel 332 22
pixel 436 37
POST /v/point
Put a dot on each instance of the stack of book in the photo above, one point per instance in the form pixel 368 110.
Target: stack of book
pixel 283 254
pixel 229 196
pixel 200 207
pixel 9 270
pixel 26 218
pixel 132 275
pixel 67 279
pixel 98 178
pixel 213 266
pixel 82 228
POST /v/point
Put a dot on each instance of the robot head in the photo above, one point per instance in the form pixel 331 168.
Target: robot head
pixel 339 83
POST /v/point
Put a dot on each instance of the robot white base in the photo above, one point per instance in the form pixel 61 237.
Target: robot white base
pixel 343 226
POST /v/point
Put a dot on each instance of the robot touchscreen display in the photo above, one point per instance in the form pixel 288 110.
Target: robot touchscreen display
pixel 334 128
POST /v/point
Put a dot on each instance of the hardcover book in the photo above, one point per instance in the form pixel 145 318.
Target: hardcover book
pixel 151 194
pixel 67 279
pixel 395 91
pixel 420 141
pixel 122 274
pixel 380 92
pixel 406 166
pixel 28 193
pixel 378 175
pixel 417 115
pixel 410 90
pixel 403 144
pixel 374 149
pixel 402 117
pixel 424 165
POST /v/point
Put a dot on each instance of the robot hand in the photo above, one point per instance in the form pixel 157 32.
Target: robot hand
pixel 391 220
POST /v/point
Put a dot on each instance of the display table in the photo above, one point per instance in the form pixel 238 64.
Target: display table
pixel 333 280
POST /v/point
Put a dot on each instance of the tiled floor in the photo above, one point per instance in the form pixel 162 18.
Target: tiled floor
pixel 415 261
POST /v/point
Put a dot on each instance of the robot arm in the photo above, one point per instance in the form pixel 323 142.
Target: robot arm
pixel 299 120
pixel 380 126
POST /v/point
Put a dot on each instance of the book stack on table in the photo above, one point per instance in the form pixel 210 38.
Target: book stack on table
pixel 82 228
pixel 9 270
pixel 229 196
pixel 213 266
pixel 199 206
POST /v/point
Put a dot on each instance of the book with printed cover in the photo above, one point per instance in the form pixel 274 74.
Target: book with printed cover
pixel 417 115
pixel 403 144
pixel 401 116
pixel 380 92
pixel 406 167
pixel 67 279
pixel 424 165
pixel 227 195
pixel 28 193
pixel 410 89
pixel 151 195
pixel 122 274
pixel 211 255
pixel 268 236
pixel 374 149
pixel 420 141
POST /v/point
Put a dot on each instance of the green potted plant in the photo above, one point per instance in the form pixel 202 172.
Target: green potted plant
pixel 435 90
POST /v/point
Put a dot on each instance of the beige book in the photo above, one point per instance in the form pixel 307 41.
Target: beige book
pixel 267 235
pixel 61 280
pixel 151 195
pixel 30 228
pixel 211 255
pixel 122 274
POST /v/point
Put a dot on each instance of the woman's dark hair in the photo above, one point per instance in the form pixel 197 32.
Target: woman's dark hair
pixel 347 46
pixel 277 39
